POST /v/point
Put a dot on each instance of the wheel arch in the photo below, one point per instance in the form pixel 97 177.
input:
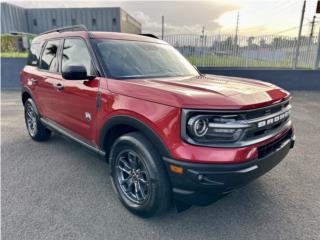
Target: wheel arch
pixel 25 95
pixel 118 125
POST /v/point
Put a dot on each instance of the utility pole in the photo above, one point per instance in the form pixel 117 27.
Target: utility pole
pixel 237 29
pixel 162 28
pixel 311 33
pixel 312 26
pixel 299 36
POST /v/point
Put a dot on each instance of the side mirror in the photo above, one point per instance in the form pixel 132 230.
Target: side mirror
pixel 72 72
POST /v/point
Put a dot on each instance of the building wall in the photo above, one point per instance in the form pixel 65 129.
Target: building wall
pixel 13 19
pixel 38 20
pixel 96 19
pixel 129 24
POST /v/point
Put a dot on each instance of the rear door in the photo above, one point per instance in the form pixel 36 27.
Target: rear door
pixel 48 75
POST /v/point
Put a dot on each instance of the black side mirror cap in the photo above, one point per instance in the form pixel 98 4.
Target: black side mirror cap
pixel 73 72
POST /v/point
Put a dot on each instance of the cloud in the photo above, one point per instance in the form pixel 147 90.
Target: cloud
pixel 151 26
pixel 180 16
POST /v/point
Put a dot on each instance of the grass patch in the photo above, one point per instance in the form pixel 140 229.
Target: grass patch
pixel 14 54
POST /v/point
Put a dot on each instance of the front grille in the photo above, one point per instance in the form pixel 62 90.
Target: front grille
pixel 278 116
pixel 265 150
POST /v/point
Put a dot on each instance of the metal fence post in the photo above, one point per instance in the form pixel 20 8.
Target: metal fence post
pixel 317 59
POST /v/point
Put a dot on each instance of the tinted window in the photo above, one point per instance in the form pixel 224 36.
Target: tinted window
pixel 75 53
pixel 34 54
pixel 49 59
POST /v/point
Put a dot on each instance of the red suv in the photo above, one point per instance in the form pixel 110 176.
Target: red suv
pixel 169 133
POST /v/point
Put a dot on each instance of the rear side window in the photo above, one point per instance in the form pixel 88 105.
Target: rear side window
pixel 49 59
pixel 34 54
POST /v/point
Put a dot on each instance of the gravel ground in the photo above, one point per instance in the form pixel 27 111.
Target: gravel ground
pixel 58 190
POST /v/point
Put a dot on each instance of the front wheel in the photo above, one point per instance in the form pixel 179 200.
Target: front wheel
pixel 36 130
pixel 138 175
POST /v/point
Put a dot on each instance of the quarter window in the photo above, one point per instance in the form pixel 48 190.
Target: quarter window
pixel 75 53
pixel 34 54
pixel 49 59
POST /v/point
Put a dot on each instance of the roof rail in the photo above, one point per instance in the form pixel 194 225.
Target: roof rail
pixel 68 29
pixel 149 35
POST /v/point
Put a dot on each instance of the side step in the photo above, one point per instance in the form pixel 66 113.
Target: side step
pixel 71 135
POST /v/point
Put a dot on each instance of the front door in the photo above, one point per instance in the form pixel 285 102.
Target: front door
pixel 77 100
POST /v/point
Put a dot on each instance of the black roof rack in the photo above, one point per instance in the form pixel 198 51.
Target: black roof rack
pixel 68 29
pixel 149 35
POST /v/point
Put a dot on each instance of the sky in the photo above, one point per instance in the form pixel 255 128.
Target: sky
pixel 256 17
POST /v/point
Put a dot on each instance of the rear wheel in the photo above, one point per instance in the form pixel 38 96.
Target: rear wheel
pixel 36 130
pixel 138 175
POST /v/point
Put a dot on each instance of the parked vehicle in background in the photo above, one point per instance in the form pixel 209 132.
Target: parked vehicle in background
pixel 168 132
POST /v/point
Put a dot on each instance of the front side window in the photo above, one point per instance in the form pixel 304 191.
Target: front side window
pixel 75 53
pixel 49 59
pixel 132 59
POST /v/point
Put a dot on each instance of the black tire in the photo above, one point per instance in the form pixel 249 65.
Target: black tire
pixel 154 195
pixel 35 128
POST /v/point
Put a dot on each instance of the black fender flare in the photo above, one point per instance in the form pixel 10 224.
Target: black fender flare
pixel 147 131
pixel 26 90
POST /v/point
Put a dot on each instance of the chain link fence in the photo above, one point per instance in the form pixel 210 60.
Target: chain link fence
pixel 245 52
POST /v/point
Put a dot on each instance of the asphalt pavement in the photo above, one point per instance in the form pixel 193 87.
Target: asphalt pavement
pixel 59 190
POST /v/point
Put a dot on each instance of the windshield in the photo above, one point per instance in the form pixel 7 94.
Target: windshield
pixel 132 59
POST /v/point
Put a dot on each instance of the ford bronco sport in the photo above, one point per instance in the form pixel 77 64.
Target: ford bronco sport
pixel 169 133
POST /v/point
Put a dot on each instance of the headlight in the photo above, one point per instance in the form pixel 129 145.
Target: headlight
pixel 215 129
pixel 198 127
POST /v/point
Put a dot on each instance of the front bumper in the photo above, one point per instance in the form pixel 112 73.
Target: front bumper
pixel 202 184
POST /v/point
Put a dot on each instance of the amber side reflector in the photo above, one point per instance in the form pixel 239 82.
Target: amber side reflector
pixel 176 169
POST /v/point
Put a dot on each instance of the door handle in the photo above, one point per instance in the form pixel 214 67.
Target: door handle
pixel 33 81
pixel 59 87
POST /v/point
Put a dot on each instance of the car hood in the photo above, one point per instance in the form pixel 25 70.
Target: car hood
pixel 204 92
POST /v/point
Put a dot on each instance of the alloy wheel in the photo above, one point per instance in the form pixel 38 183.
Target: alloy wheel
pixel 132 176
pixel 31 120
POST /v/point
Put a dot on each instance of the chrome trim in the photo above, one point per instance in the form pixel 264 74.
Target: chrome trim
pixel 229 125
pixel 73 136
pixel 249 169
